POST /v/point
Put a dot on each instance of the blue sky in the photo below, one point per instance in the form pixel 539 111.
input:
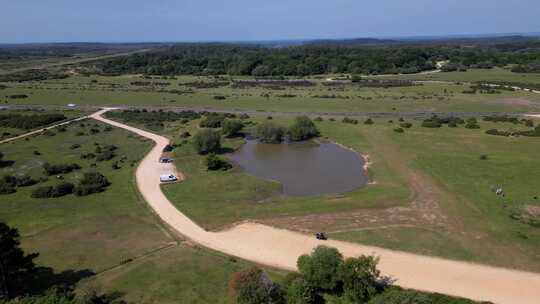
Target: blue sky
pixel 226 20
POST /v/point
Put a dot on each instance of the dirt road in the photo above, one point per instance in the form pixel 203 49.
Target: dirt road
pixel 281 248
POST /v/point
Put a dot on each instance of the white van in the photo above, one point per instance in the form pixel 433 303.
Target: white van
pixel 167 178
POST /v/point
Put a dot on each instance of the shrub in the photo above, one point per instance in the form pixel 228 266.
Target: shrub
pixel 299 291
pixel 232 128
pixel 303 128
pixel 185 134
pixel 244 116
pixel 472 123
pixel 207 141
pixel 75 146
pixel 214 162
pixel 431 124
pixel 269 132
pixel 369 121
pixel 59 169
pixel 6 188
pixel 59 190
pixel 350 121
pixel 405 125
pixel 25 181
pixel 483 157
pixel 318 119
pixel 399 130
pixel 92 182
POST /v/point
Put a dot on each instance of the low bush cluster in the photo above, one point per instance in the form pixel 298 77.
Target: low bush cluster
pixel 60 168
pixel 9 183
pixel 64 188
pixel 350 121
pixel 92 182
pixel 214 163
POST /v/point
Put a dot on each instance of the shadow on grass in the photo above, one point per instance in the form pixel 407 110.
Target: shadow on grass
pixel 6 163
pixel 45 278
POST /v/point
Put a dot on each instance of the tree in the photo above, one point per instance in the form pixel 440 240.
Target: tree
pixel 253 286
pixel 15 265
pixel 321 267
pixel 269 132
pixel 207 141
pixel 232 128
pixel 360 278
pixel 299 291
pixel 303 128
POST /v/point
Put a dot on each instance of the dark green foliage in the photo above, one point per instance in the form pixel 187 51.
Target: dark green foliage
pixel 24 181
pixel 207 141
pixel 92 182
pixel 243 116
pixel 484 157
pixel 105 155
pixel 472 123
pixel 16 267
pixel 253 286
pixel 214 163
pixel 212 121
pixel 185 134
pixel 6 188
pixel 75 146
pixel 429 123
pixel 405 125
pixel 302 128
pixel 59 190
pixel 368 121
pixel 269 132
pixel 396 295
pixel 318 119
pixel 360 278
pixel 27 122
pixel 59 169
pixel 320 269
pixel 350 121
pixel 399 130
pixel 31 75
pixel 232 127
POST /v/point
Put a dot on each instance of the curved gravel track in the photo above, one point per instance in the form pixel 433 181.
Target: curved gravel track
pixel 281 248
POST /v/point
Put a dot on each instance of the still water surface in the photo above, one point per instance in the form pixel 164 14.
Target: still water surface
pixel 303 169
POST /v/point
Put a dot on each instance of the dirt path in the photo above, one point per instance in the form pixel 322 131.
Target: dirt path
pixel 42 130
pixel 281 248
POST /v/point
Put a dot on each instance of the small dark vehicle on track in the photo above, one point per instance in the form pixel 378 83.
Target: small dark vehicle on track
pixel 320 236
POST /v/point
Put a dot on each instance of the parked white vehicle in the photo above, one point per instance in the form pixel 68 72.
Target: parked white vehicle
pixel 167 178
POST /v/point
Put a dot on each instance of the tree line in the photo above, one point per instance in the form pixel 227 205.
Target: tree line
pixel 312 59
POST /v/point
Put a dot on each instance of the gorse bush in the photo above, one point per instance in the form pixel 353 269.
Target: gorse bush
pixel 59 190
pixel 214 163
pixel 302 128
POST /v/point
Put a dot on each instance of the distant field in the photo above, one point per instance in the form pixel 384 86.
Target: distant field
pixel 187 91
pixel 473 75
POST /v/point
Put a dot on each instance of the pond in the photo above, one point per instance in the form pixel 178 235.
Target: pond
pixel 304 169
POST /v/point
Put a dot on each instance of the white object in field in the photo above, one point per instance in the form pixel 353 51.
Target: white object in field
pixel 71 105
pixel 167 178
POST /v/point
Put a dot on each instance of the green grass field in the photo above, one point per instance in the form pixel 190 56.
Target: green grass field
pixel 474 75
pixel 117 91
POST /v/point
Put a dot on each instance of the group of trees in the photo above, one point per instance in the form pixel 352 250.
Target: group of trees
pixel 19 121
pixel 322 58
pixel 302 128
pixel 326 277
